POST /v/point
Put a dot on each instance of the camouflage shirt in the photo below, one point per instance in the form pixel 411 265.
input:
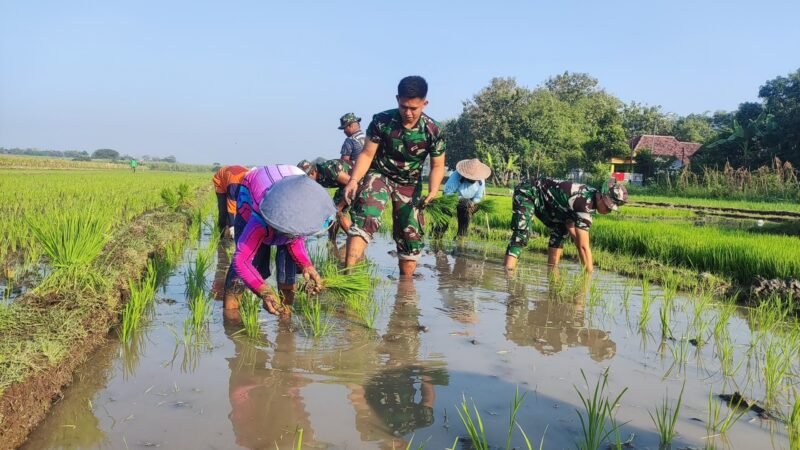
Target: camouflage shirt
pixel 328 171
pixel 401 152
pixel 557 202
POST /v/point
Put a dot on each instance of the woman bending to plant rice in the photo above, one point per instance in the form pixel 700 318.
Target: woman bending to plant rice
pixel 291 209
pixel 564 207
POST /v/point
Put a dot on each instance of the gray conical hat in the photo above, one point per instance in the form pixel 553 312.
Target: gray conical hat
pixel 297 206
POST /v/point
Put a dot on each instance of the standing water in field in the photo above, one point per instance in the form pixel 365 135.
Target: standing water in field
pixel 463 333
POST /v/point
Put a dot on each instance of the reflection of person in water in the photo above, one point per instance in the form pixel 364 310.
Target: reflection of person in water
pixel 266 405
pixel 552 326
pixel 399 398
pixel 456 285
pixel 223 262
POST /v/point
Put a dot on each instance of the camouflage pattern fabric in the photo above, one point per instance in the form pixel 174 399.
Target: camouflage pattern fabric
pixel 327 173
pixel 374 193
pixel 556 203
pixel 401 152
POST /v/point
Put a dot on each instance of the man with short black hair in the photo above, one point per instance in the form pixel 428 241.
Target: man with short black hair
pixel 354 142
pixel 390 170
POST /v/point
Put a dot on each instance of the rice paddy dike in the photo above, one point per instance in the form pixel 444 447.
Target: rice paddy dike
pixel 71 242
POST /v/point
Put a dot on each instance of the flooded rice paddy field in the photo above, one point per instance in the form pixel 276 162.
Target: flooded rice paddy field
pixel 462 330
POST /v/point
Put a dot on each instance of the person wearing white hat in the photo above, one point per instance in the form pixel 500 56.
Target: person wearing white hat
pixel 468 182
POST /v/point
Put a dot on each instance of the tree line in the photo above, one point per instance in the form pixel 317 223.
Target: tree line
pixel 570 122
pixel 83 155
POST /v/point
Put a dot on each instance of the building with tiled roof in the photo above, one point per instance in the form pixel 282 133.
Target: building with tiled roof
pixel 665 147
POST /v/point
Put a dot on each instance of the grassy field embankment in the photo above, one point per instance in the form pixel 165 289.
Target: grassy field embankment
pixel 78 237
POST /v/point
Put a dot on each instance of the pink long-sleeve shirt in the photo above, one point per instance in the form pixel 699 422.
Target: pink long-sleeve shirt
pixel 258 181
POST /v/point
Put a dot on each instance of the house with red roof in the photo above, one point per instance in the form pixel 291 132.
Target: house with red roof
pixel 663 147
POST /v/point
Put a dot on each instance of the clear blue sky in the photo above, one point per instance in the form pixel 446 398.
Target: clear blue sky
pixel 265 82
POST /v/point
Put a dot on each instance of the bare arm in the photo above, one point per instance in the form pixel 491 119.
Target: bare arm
pixel 435 178
pixel 362 166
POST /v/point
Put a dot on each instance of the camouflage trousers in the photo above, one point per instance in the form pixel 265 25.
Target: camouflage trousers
pixel 375 192
pixel 527 202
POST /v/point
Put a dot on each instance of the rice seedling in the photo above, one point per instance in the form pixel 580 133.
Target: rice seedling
pixel 644 313
pixel 72 240
pixel 680 353
pixel 725 312
pixel 474 426
pixel 627 290
pixel 793 425
pixel 142 294
pixel 717 424
pixel 200 307
pixel 196 274
pixel 596 420
pixel 177 198
pixel 595 294
pixel 665 418
pixel 778 359
pixel 249 309
pixel 725 354
pixel 316 322
pixel 663 315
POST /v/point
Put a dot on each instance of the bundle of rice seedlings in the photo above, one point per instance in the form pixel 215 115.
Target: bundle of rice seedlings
pixel 343 283
pixel 486 206
pixel 440 212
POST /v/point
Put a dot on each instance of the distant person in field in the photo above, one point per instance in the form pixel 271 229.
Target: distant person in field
pixel 564 207
pixel 389 170
pixel 278 205
pixel 354 142
pixel 226 185
pixel 332 173
pixel 134 163
pixel 468 183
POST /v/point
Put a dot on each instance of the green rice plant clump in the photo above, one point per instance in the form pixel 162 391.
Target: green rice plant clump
pixel 72 240
pixel 142 294
pixel 597 423
pixel 665 418
pixel 249 309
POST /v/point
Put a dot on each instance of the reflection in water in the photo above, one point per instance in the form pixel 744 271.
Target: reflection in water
pixel 266 405
pixel 553 325
pixel 456 285
pixel 399 398
pixel 221 271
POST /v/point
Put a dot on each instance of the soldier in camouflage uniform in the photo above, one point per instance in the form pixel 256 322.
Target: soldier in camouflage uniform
pixel 332 173
pixel 564 207
pixel 390 170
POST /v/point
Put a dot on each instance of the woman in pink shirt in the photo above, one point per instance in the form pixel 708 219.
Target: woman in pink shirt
pixel 291 208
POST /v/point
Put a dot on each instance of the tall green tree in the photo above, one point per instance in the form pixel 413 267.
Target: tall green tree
pixel 639 119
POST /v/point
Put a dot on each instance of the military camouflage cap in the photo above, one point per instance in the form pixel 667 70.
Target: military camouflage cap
pixel 347 119
pixel 310 166
pixel 615 192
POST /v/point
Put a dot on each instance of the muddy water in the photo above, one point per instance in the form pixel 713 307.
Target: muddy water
pixel 462 329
